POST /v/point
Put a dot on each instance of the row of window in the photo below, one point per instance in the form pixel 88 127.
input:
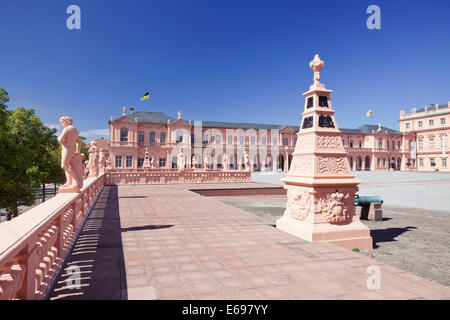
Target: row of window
pixel 431 142
pixel 380 144
pixel 217 138
pixel 430 123
pixel 433 162
pixel 129 162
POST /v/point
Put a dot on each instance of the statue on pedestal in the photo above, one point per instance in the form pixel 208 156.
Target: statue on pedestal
pixel 247 161
pixel 152 163
pixel 108 161
pixel 180 160
pixel 205 162
pixel 71 157
pixel 194 162
pixel 102 161
pixel 93 160
pixel 225 162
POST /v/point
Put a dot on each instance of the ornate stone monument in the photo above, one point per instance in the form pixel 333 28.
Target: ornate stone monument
pixel 320 186
pixel 146 164
pixel 71 157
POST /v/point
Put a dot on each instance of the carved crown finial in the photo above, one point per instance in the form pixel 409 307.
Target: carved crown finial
pixel 316 65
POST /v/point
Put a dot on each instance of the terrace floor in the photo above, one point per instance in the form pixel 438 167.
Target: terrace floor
pixel 167 242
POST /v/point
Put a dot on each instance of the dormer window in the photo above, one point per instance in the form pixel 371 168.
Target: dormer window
pixel 124 134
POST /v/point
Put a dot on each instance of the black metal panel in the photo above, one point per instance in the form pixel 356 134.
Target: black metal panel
pixel 325 121
pixel 308 122
pixel 309 102
pixel 323 101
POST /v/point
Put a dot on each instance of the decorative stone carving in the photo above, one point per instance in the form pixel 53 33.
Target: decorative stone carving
pixel 71 157
pixel 299 203
pixel 333 165
pixel 335 207
pixel 329 143
pixel 316 65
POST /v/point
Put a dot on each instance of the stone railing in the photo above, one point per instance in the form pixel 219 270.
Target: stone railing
pixel 174 176
pixel 34 245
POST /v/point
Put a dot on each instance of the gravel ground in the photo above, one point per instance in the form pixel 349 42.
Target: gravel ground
pixel 414 240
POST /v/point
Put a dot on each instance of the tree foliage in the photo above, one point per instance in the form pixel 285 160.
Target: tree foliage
pixel 28 156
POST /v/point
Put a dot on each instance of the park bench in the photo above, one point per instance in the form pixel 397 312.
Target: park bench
pixel 369 207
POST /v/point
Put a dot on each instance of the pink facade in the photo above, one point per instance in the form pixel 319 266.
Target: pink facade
pixel 431 129
pixel 270 147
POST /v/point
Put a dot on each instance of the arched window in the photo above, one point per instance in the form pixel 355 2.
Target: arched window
pixel 351 143
pixel 380 143
pixel 124 134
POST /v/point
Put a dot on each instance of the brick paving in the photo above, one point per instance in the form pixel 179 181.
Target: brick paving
pixel 166 242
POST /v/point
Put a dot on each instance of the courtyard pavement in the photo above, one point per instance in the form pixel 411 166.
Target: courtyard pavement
pixel 426 190
pixel 166 242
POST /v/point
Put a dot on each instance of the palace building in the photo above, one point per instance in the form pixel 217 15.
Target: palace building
pixel 431 127
pixel 270 147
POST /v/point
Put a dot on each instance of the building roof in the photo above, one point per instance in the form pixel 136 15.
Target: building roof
pixel 367 129
pixel 432 107
pixel 159 117
pixel 239 125
pixel 150 117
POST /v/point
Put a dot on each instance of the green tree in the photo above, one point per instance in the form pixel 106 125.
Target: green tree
pixel 25 154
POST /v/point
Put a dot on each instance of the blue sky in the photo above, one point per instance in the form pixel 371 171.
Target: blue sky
pixel 223 60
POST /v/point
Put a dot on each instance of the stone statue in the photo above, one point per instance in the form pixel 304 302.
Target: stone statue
pixel 225 162
pixel 205 162
pixel 179 114
pixel 108 161
pixel 71 157
pixel 194 162
pixel 102 161
pixel 247 161
pixel 181 161
pixel 93 160
pixel 124 111
pixel 152 163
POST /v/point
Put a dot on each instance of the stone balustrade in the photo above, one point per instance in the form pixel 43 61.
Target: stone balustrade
pixel 34 245
pixel 122 176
